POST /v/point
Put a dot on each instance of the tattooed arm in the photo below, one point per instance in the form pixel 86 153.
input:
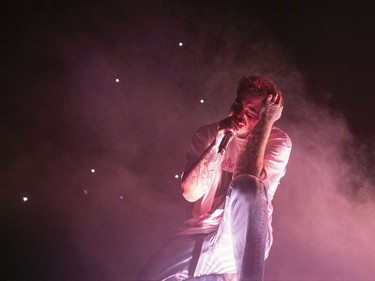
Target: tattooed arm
pixel 251 158
pixel 198 177
pixel 197 180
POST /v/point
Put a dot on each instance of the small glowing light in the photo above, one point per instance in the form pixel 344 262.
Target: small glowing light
pixel 85 191
pixel 25 199
pixel 176 176
pixel 202 101
pixel 180 44
pixel 121 197
pixel 92 170
pixel 117 80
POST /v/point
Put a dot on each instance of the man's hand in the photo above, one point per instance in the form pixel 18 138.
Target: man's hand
pixel 230 123
pixel 272 108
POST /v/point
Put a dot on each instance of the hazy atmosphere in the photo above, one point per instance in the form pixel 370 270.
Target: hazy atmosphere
pixel 99 102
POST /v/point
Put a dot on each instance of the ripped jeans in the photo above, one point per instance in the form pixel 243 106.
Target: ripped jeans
pixel 237 248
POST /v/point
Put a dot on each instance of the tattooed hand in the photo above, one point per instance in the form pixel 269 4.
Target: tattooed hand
pixel 272 108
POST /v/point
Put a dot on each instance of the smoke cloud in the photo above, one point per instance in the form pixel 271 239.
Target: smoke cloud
pixel 134 133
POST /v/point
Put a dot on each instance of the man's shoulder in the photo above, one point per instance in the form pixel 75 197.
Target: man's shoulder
pixel 207 130
pixel 278 134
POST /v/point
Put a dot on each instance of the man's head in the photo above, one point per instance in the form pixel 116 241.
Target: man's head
pixel 251 93
pixel 256 86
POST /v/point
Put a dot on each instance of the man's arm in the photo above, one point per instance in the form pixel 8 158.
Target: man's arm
pixel 197 179
pixel 251 158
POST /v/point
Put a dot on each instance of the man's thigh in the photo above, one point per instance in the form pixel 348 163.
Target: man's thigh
pixel 173 259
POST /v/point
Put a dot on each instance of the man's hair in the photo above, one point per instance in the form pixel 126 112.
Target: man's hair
pixel 257 86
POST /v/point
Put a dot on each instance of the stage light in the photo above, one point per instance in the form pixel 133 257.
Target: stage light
pixel 121 197
pixel 176 176
pixel 25 199
pixel 85 191
pixel 117 80
pixel 202 101
pixel 92 170
pixel 180 44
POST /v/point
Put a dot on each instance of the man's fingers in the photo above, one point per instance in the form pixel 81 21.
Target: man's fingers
pixel 275 97
pixel 269 98
pixel 235 124
pixel 231 123
pixel 278 99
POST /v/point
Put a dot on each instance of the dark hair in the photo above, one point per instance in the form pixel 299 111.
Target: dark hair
pixel 257 86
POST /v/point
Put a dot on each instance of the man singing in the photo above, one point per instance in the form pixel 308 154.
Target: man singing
pixel 232 171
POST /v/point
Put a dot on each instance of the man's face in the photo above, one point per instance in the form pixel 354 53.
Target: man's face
pixel 246 109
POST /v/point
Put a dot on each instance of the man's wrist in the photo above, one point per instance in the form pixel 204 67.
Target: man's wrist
pixel 212 154
pixel 264 121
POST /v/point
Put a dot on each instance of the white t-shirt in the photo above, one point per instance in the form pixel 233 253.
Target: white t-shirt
pixel 208 210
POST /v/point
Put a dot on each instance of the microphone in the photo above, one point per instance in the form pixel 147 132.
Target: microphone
pixel 225 141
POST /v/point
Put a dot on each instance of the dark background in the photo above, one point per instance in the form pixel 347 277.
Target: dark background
pixel 64 114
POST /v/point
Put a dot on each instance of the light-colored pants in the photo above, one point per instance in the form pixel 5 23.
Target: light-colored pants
pixel 245 220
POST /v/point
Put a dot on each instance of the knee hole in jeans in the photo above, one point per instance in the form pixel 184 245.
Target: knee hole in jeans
pixel 246 185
